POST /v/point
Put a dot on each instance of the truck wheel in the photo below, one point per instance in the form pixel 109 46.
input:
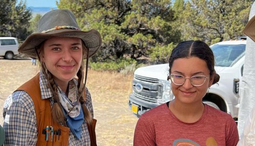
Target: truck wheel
pixel 9 55
pixel 211 104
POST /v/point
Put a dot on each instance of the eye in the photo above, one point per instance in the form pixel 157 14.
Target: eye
pixel 177 76
pixel 198 77
pixel 55 49
pixel 75 48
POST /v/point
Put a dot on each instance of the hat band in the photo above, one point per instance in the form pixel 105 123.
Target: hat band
pixel 60 27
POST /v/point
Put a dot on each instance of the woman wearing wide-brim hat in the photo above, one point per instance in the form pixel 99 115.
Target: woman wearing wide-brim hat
pixel 54 107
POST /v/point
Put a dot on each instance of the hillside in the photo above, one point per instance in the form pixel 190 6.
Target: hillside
pixel 40 10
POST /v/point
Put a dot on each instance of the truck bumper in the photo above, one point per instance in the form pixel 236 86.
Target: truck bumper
pixel 139 106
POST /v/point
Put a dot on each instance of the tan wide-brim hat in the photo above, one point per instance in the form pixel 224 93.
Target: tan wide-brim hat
pixel 60 23
pixel 249 29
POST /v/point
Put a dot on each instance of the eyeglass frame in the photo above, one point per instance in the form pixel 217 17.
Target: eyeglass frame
pixel 171 78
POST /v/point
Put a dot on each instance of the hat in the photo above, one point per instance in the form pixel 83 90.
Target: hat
pixel 60 23
pixel 249 29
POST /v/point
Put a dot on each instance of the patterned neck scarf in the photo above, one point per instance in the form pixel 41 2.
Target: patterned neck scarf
pixel 75 124
pixel 72 108
pixel 70 103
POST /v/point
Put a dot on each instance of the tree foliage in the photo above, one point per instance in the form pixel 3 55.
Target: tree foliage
pixel 128 28
pixel 14 19
pixel 213 20
pixel 136 28
pixel 143 27
pixel 34 23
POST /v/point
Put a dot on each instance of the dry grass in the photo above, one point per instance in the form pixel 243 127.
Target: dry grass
pixel 110 91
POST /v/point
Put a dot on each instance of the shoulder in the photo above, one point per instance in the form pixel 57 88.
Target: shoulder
pixel 225 122
pixel 147 121
pixel 218 114
pixel 18 106
pixel 18 101
pixel 87 92
pixel 215 111
pixel 155 113
pixel 18 97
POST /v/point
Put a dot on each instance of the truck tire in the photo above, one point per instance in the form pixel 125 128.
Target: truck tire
pixel 9 55
pixel 211 104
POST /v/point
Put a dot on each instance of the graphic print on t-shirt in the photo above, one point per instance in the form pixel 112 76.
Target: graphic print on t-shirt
pixel 186 142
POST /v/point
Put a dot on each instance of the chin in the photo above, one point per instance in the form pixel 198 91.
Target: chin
pixel 67 78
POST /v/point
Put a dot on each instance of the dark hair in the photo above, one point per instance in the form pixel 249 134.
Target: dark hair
pixel 198 49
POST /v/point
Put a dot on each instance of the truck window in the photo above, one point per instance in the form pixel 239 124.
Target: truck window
pixel 225 55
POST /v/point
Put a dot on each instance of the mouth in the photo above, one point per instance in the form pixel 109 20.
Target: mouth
pixel 187 92
pixel 66 67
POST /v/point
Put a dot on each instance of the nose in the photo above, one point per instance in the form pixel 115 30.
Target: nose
pixel 66 56
pixel 187 83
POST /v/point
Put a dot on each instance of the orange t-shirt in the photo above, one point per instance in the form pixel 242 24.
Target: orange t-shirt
pixel 160 127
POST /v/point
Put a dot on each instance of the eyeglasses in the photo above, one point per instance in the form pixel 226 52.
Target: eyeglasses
pixel 197 80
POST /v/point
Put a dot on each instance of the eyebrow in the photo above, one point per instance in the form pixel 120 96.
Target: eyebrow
pixel 200 72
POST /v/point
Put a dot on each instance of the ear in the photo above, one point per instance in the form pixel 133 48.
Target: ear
pixel 211 81
pixel 41 55
pixel 40 52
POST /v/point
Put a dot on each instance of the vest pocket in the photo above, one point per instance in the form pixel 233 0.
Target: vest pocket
pixel 56 136
pixel 63 136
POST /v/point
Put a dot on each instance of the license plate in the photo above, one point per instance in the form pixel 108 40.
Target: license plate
pixel 134 108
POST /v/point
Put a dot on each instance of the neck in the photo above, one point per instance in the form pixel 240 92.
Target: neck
pixel 63 85
pixel 188 113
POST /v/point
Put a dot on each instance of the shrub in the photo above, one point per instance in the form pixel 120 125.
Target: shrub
pixel 123 65
pixel 160 54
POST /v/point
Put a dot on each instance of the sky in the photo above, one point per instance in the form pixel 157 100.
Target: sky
pixel 40 3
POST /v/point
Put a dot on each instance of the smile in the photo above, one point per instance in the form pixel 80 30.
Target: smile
pixel 66 67
pixel 187 93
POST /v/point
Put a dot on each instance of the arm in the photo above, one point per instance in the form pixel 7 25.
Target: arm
pixel 20 120
pixel 144 133
pixel 232 133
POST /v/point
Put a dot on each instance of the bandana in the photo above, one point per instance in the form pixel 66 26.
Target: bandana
pixel 70 104
pixel 72 108
pixel 75 124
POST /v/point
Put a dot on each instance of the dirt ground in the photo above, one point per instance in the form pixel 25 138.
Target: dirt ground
pixel 109 92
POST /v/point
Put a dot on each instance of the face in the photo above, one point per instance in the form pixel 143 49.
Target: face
pixel 62 57
pixel 188 67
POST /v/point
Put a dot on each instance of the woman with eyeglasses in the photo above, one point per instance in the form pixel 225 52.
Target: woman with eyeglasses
pixel 186 121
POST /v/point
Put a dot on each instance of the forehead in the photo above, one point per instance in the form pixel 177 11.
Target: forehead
pixel 190 65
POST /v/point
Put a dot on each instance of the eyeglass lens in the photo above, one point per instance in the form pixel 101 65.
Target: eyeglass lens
pixel 197 80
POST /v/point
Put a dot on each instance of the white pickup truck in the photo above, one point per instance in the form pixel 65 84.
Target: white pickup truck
pixel 151 88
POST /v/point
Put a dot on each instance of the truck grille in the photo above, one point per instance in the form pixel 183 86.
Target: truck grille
pixel 146 88
pixel 146 79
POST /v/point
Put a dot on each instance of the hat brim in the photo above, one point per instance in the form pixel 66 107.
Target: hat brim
pixel 249 29
pixel 91 39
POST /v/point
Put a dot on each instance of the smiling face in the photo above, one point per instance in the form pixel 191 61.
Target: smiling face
pixel 62 57
pixel 188 67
